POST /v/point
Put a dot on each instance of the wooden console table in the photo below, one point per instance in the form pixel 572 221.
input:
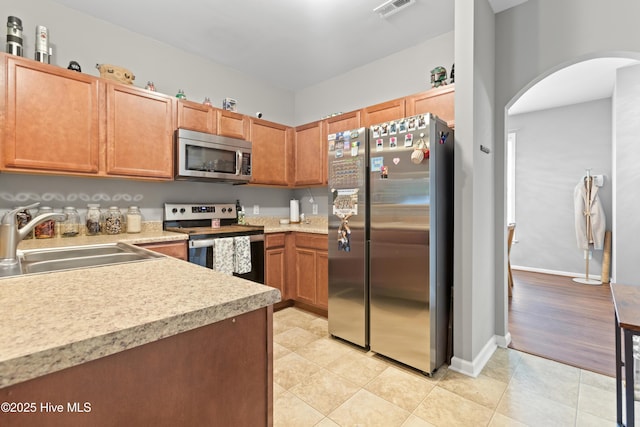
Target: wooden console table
pixel 626 300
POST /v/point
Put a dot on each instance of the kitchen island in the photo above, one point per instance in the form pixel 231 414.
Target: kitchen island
pixel 158 342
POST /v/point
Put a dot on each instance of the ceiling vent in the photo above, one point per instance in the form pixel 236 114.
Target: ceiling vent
pixel 390 7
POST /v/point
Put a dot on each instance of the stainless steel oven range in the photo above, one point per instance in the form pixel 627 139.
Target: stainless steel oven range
pixel 200 220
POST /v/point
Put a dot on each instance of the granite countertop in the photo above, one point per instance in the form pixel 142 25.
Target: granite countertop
pixel 315 224
pixel 57 320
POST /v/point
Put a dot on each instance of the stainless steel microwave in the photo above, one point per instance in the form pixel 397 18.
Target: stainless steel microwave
pixel 207 157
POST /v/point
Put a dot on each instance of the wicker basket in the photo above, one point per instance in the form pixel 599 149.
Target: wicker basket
pixel 118 74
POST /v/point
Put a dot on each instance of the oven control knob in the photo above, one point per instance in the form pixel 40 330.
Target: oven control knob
pixel 230 210
pixel 182 210
pixel 224 210
pixel 174 210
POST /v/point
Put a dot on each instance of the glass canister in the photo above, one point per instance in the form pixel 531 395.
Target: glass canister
pixel 113 221
pixel 46 229
pixel 93 223
pixel 71 226
pixel 23 217
pixel 134 220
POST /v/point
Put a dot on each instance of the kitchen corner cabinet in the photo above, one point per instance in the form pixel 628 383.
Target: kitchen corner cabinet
pixel 384 112
pixel 438 101
pixel 312 279
pixel 271 157
pixel 275 262
pixel 198 117
pixel 310 151
pixel 139 132
pixel 232 124
pixel 51 118
pixel 173 249
pixel 217 374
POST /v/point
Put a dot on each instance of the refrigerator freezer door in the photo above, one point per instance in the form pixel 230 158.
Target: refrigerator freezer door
pixel 348 262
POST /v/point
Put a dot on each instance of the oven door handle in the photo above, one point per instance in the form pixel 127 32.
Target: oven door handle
pixel 202 243
pixel 205 243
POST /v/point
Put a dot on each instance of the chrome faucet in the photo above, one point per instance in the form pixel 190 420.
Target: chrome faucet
pixel 10 235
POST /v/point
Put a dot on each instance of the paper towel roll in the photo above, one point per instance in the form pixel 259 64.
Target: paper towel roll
pixel 294 211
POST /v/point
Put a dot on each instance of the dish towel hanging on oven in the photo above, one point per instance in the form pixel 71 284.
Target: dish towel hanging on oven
pixel 242 254
pixel 222 255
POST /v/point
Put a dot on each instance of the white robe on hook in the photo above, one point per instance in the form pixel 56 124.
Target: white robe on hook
pixel 594 209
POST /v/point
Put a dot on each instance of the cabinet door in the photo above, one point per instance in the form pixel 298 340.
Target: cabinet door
pixel 345 121
pixel 270 153
pixel 439 101
pixel 310 152
pixel 198 117
pixel 274 269
pixel 322 279
pixel 172 249
pixel 140 128
pixel 51 118
pixel 232 124
pixel 384 112
pixel 306 275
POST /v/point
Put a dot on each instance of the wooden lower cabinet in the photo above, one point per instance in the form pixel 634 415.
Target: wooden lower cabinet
pixel 298 265
pixel 275 262
pixel 173 249
pixel 311 265
pixel 219 374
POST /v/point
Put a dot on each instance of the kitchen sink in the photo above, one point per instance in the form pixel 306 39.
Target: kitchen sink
pixel 73 257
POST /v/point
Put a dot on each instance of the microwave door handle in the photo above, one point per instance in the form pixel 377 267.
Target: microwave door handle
pixel 238 161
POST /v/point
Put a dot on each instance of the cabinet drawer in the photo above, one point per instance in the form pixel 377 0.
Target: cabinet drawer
pixel 274 240
pixel 313 241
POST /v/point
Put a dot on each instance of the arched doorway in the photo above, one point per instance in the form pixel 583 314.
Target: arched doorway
pixel 558 91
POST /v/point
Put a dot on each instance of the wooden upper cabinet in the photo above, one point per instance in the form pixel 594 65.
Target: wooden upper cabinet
pixel 140 127
pixel 439 101
pixel 271 157
pixel 232 124
pixel 198 117
pixel 51 118
pixel 384 112
pixel 342 122
pixel 310 155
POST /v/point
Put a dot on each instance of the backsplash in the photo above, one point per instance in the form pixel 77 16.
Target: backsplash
pixel 60 191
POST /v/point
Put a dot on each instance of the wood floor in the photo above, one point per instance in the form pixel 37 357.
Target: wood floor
pixel 558 319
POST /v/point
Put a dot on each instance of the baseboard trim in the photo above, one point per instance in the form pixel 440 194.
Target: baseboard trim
pixel 473 368
pixel 554 272
pixel 503 341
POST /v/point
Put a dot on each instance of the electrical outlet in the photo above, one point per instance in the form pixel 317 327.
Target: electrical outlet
pixel 256 209
pixel 314 207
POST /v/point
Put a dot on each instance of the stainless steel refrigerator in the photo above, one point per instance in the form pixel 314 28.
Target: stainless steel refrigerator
pixel 391 215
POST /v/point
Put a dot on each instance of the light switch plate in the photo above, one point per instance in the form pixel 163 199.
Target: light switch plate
pixel 256 209
pixel 314 208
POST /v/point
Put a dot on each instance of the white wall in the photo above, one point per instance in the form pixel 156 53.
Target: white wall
pixel 403 73
pixel 554 149
pixel 474 281
pixel 626 268
pixel 533 40
pixel 89 41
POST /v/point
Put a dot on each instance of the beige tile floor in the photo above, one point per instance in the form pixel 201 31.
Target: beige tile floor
pixel 321 381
